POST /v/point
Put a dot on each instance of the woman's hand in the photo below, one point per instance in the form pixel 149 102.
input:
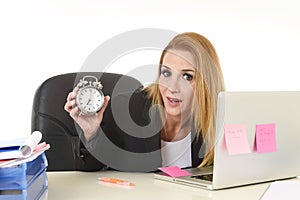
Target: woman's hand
pixel 88 123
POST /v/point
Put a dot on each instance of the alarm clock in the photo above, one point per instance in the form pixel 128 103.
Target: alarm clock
pixel 90 97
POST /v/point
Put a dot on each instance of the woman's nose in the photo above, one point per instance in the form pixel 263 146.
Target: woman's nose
pixel 174 85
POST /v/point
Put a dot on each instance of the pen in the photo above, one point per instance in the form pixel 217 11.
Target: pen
pixel 115 181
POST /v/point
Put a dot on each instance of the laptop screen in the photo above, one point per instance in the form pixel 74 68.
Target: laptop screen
pixel 257 137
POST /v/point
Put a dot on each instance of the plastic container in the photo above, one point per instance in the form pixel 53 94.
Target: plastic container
pixel 24 181
pixel 33 192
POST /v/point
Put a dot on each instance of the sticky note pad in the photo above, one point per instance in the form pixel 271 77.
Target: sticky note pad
pixel 265 138
pixel 174 171
pixel 236 139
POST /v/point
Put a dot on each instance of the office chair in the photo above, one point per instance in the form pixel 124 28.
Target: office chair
pixel 58 128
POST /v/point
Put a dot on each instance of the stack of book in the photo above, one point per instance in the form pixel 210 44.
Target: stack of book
pixel 23 165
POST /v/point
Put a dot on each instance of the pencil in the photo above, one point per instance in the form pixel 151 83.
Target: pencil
pixel 115 181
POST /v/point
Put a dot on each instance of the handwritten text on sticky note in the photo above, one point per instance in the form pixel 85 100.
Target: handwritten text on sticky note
pixel 174 171
pixel 236 139
pixel 265 138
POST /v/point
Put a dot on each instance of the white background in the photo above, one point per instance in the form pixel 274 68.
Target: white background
pixel 257 41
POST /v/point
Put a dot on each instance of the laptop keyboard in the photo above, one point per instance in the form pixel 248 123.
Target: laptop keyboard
pixel 206 177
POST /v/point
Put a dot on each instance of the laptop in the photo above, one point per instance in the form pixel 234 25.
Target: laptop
pixel 281 109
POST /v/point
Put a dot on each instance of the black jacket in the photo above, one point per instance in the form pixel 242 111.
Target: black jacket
pixel 129 136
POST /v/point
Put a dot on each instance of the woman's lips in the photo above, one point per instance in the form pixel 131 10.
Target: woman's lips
pixel 174 101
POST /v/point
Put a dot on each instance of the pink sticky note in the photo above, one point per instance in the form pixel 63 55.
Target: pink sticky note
pixel 174 171
pixel 236 139
pixel 265 138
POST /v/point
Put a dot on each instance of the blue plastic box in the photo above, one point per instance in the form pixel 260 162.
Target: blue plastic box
pixel 25 181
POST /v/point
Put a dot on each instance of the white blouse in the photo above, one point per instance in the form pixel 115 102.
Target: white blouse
pixel 177 153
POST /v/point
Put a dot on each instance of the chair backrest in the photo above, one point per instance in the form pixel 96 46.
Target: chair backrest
pixel 57 127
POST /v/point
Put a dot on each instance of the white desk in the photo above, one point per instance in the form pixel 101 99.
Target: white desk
pixel 84 186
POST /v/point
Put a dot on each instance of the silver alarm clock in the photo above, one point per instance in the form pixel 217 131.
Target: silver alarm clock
pixel 90 97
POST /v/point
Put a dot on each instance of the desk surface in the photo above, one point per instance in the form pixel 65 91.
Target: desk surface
pixel 84 185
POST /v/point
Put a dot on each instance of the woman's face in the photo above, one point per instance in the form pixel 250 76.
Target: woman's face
pixel 177 82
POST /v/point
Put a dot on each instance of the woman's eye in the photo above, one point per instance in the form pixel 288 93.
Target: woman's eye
pixel 166 73
pixel 187 77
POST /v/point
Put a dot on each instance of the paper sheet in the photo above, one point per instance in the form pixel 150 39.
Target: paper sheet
pixel 287 189
pixel 37 151
pixel 20 148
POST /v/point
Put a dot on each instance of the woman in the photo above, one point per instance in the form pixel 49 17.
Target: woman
pixel 172 122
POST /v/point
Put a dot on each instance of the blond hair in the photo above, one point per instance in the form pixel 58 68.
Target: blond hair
pixel 208 83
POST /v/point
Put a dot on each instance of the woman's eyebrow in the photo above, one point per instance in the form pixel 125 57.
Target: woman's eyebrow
pixel 164 66
pixel 184 70
pixel 188 70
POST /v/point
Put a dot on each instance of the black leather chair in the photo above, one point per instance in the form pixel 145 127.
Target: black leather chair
pixel 58 128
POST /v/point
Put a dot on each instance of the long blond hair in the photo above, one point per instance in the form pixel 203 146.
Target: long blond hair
pixel 208 83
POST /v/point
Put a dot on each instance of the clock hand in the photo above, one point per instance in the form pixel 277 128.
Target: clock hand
pixel 88 102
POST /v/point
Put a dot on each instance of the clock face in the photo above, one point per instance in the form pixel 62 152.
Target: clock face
pixel 89 100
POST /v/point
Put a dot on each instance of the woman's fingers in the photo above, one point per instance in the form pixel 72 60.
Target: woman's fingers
pixel 106 100
pixel 71 100
pixel 72 94
pixel 69 105
pixel 74 113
